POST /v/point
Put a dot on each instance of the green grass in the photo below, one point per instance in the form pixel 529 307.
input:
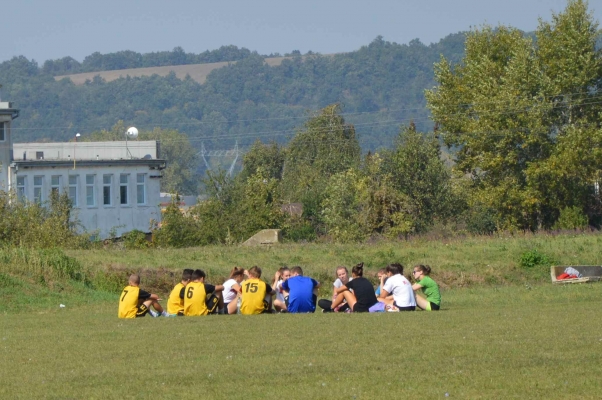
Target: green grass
pixel 504 331
pixel 541 341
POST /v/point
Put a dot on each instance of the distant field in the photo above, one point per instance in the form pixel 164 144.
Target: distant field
pixel 197 72
pixel 510 342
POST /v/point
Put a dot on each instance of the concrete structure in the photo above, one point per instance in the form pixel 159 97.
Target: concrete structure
pixel 265 236
pixel 114 186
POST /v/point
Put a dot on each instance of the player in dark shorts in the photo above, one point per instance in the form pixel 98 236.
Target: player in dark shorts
pixel 362 299
pixel 135 302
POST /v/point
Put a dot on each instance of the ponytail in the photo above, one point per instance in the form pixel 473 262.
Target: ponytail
pixel 358 270
pixel 425 269
pixel 237 271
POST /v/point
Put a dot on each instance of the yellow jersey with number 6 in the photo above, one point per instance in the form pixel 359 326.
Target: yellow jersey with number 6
pixel 128 302
pixel 253 296
pixel 195 299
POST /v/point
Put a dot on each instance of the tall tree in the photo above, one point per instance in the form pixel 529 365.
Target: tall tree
pixel 510 105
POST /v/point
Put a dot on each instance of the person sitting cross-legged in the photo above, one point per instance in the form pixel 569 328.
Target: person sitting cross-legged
pixel 401 289
pixel 256 294
pixel 200 298
pixel 362 299
pixel 175 303
pixel 135 302
pixel 300 292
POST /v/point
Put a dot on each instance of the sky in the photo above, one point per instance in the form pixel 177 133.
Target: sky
pixel 42 29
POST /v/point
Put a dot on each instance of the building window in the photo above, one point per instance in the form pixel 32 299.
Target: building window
pixel 107 181
pixel 73 190
pixel 38 183
pixel 90 195
pixel 141 189
pixel 21 187
pixel 2 135
pixel 123 189
pixel 39 155
pixel 55 184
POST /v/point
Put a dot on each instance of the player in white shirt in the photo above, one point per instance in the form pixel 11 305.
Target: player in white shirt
pixel 281 275
pixel 400 288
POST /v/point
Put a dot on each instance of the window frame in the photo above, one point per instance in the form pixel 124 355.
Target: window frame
pixel 143 186
pixel 91 186
pixel 124 189
pixel 74 202
pixel 38 198
pixel 21 187
pixel 108 186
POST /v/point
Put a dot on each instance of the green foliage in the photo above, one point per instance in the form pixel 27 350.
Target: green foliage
pixel 571 218
pixel 418 172
pixel 177 229
pixel 267 157
pixel 533 258
pixel 40 226
pixel 525 117
pixel 135 240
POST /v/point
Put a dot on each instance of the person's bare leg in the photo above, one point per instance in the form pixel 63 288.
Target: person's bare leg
pixel 350 297
pixel 156 306
pixel 337 301
pixel 421 302
pixel 232 306
pixel 279 305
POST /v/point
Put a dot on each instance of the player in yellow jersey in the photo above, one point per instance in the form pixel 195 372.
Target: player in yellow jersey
pixel 135 302
pixel 175 302
pixel 201 298
pixel 256 294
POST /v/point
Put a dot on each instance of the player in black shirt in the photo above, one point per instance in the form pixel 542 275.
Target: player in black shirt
pixel 363 296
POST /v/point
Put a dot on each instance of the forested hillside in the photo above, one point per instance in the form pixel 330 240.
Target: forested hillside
pixel 380 86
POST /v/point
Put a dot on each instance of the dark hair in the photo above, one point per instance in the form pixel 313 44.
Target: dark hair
pixel 395 268
pixel 297 270
pixel 425 269
pixel 255 272
pixel 236 271
pixel 198 274
pixel 358 270
pixel 187 274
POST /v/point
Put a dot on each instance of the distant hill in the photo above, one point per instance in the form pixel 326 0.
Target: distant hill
pixel 198 72
pixel 250 96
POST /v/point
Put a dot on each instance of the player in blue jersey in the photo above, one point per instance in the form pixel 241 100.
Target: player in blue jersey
pixel 301 292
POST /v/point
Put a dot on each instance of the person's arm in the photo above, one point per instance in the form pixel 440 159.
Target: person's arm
pixel 416 286
pixel 340 289
pixel 276 278
pixel 315 283
pixel 269 290
pixel 219 288
pixel 285 288
pixel 237 288
pixel 383 295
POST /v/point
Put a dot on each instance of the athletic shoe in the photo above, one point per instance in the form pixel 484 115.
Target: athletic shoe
pixel 165 314
pixel 326 310
pixel 153 314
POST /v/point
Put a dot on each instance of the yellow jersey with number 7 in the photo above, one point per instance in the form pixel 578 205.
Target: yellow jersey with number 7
pixel 128 302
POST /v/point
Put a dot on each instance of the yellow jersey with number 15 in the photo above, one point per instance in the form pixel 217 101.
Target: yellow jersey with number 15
pixel 253 295
pixel 128 302
pixel 195 299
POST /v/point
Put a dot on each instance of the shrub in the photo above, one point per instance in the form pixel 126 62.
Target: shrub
pixel 571 218
pixel 533 258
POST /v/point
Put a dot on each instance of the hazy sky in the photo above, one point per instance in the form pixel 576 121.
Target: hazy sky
pixel 43 29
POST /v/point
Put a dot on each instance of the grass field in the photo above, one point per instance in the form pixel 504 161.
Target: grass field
pixel 511 342
pixel 504 330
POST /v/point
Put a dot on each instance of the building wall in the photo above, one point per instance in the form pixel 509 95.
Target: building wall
pixel 116 150
pixel 97 217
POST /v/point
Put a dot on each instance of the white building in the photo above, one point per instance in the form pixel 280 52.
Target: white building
pixel 114 186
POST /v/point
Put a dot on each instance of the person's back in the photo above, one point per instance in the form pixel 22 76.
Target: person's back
pixel 194 299
pixel 402 291
pixel 254 291
pixel 301 298
pixel 364 293
pixel 175 302
pixel 128 305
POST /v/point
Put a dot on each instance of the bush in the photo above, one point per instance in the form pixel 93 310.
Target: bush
pixel 534 258
pixel 135 240
pixel 571 218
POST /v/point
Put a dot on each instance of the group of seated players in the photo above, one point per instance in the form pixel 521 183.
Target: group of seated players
pixel 245 293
